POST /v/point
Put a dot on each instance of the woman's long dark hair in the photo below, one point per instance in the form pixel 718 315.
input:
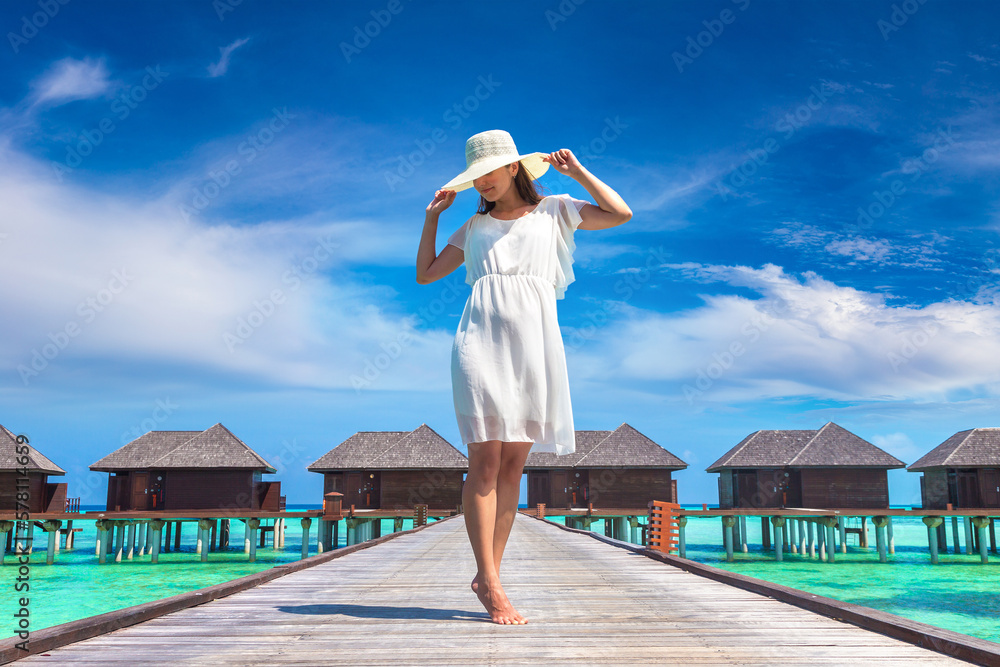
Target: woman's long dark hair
pixel 529 190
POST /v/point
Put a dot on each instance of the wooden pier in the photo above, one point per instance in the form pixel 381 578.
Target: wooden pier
pixel 589 600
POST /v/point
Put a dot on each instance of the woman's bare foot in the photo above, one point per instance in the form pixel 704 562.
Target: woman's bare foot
pixel 492 596
pixel 475 583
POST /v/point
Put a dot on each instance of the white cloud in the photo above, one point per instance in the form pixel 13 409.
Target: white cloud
pixel 188 285
pixel 860 249
pixel 70 79
pixel 808 338
pixel 220 68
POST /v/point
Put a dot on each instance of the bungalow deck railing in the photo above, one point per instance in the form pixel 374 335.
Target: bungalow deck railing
pixel 72 505
pixel 663 527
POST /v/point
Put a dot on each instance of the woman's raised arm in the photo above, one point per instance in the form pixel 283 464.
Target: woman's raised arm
pixel 430 265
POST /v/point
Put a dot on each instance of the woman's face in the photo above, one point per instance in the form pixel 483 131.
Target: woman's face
pixel 495 184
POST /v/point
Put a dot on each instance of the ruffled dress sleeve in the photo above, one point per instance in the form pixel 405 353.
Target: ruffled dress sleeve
pixel 567 220
pixel 458 237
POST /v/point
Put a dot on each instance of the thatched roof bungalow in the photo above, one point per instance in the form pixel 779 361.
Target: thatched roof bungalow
pixel 611 469
pixel 964 470
pixel 42 496
pixel 826 468
pixel 188 470
pixel 394 470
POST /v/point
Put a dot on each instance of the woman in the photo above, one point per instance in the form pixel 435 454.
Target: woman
pixel 509 377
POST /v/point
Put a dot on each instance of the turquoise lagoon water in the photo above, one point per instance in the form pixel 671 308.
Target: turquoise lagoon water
pixel 960 594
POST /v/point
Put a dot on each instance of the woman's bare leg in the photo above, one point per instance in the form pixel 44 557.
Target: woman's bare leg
pixel 508 492
pixel 479 502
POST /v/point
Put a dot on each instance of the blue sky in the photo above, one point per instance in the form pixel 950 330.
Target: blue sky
pixel 211 213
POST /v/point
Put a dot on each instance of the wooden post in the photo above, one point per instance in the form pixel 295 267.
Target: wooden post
pixel 97 543
pixel 140 538
pixel 682 522
pixel 954 533
pixel 167 535
pixel 246 536
pixel 252 526
pixel 831 526
pixel 743 534
pixel 52 529
pixel 177 535
pixel 104 526
pixel 993 536
pixel 821 539
pixel 397 524
pixel 727 527
pixel 213 535
pixel 968 534
pixel 204 526
pixel 350 523
pixel 156 525
pixel 793 536
pixel 131 539
pixel 281 535
pixel 842 523
pixel 779 536
pixel 305 536
pixel 880 523
pixel 5 528
pixel 891 540
pixel 980 522
pixel 932 523
pixel 70 535
pixel 119 539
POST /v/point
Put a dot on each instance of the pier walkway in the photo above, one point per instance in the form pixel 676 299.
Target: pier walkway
pixel 407 601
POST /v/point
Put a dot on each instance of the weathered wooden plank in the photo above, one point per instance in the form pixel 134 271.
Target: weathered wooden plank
pixel 407 600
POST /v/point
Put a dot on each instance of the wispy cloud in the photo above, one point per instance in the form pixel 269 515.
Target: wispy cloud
pixel 221 67
pixel 70 79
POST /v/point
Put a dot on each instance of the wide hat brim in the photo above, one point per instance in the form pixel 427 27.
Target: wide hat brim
pixel 532 162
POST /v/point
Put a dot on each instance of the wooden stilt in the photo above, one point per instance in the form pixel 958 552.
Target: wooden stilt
pixel 156 525
pixel 779 536
pixel 204 535
pixel 167 535
pixel 213 536
pixel 765 533
pixel 831 549
pixel 842 525
pixel 932 523
pixel 980 523
pixel 246 536
pixel 305 536
pixel 968 534
pixel 104 527
pixel 793 536
pixel 727 527
pixel 119 539
pixel 252 525
pixel 52 530
pixel 177 535
pixel 141 530
pixel 744 539
pixel 5 528
pixel 880 523
pixel 130 552
pixel 993 536
pixel 70 535
pixel 954 533
pixel 891 540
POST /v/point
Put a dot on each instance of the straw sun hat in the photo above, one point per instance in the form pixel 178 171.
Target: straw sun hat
pixel 490 150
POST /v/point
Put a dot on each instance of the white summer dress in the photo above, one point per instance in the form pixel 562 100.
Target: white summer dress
pixel 508 363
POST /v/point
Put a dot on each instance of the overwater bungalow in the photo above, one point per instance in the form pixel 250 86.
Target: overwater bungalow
pixel 609 469
pixel 964 471
pixel 43 496
pixel 826 468
pixel 394 470
pixel 188 470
